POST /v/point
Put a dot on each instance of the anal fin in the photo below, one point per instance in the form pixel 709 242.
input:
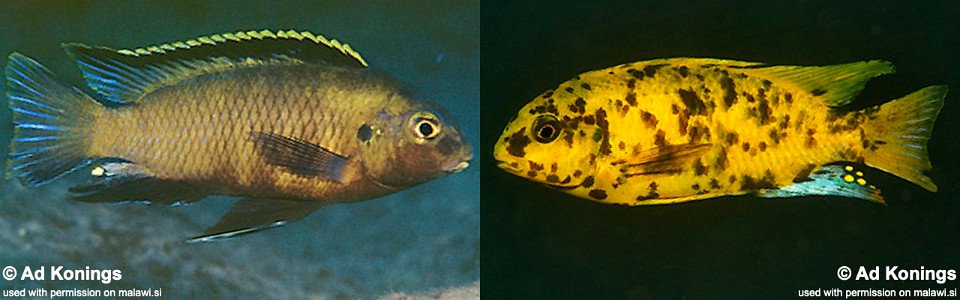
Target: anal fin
pixel 129 182
pixel 252 215
pixel 829 180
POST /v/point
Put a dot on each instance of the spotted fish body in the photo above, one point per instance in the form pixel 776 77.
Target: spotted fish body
pixel 290 120
pixel 676 130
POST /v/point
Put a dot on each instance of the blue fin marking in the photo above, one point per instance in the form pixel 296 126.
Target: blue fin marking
pixel 47 141
pixel 827 181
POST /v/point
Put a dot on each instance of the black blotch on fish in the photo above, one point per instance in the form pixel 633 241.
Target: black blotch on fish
pixel 532 174
pixel 649 119
pixel 774 136
pixel 518 143
pixel 569 89
pixel 785 122
pixel 764 110
pixel 722 162
pixel 586 86
pixel 632 83
pixel 581 105
pixel 651 192
pixel 818 92
pixel 547 94
pixel 604 128
pixel 587 182
pixel 682 120
pixel 631 99
pixel 535 166
pixel 694 105
pixel 553 178
pixel 652 69
pixel 714 184
pixel 729 90
pixel 732 138
pixel 804 174
pixel 636 74
pixel 683 71
pixel 598 194
pixel 698 168
pixel 766 182
pixel 660 139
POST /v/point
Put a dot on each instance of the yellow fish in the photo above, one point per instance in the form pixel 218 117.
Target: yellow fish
pixel 682 129
pixel 290 120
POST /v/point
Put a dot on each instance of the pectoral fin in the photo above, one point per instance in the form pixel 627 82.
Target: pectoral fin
pixel 669 159
pixel 298 156
pixel 256 214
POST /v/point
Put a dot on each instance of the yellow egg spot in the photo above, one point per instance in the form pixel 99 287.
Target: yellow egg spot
pixel 848 178
pixel 848 168
pixel 98 171
pixel 861 181
pixel 873 186
pixel 859 174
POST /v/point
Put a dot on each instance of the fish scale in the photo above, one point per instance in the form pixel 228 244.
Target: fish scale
pixel 276 118
pixel 676 130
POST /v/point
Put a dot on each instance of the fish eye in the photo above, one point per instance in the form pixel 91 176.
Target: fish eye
pixel 546 129
pixel 425 126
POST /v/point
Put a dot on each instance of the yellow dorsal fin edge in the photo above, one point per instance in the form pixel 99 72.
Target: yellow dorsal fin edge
pixel 241 36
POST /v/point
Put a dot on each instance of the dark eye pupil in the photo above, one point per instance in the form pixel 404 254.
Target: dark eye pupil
pixel 546 132
pixel 547 128
pixel 425 129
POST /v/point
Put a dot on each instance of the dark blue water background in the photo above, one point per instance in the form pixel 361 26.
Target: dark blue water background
pixel 419 240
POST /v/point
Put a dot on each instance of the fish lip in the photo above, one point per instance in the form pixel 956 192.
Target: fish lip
pixel 456 166
pixel 505 166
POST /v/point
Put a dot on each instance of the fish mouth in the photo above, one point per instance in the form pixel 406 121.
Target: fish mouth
pixel 510 169
pixel 457 165
pixel 506 167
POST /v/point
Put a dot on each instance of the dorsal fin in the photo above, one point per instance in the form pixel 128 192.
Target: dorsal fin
pixel 835 85
pixel 123 76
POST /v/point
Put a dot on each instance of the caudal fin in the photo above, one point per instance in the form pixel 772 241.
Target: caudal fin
pixel 899 134
pixel 51 123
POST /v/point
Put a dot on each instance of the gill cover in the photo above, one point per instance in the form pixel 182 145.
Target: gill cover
pixel 406 147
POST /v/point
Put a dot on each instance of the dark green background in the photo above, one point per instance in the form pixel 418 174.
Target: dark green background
pixel 541 243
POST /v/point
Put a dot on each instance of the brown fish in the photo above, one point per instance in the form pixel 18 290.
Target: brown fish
pixel 288 119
